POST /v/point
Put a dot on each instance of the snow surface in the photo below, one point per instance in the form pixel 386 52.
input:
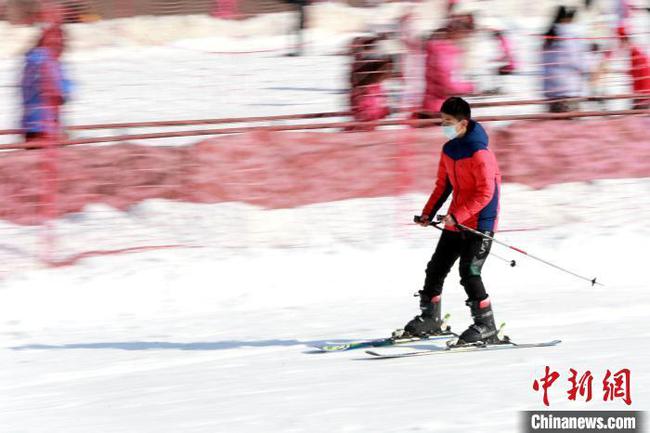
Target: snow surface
pixel 215 336
pixel 217 339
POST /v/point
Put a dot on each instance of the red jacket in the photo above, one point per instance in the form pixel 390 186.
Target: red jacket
pixel 640 70
pixel 468 170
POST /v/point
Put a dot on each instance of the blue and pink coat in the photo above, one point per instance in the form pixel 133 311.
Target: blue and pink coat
pixel 43 85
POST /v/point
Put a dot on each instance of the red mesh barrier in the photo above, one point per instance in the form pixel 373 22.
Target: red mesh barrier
pixel 288 169
pixel 78 201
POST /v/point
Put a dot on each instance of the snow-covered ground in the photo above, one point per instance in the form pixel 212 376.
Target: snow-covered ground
pixel 217 339
pixel 216 336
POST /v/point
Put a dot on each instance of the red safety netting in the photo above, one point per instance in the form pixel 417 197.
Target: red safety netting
pixel 17 11
pixel 278 170
pixel 288 169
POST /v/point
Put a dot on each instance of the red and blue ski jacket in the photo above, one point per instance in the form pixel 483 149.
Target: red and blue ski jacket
pixel 468 170
pixel 44 85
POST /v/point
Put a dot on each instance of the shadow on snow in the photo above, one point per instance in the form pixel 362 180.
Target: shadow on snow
pixel 165 345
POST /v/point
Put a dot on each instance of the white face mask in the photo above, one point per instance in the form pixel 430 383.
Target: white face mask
pixel 449 131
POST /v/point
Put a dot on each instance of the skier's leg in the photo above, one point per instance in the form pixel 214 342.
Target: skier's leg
pixel 474 252
pixel 446 253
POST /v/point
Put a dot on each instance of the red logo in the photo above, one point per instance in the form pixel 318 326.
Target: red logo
pixel 615 386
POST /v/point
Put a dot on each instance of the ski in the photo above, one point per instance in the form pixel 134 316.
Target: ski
pixel 396 339
pixel 381 342
pixel 453 348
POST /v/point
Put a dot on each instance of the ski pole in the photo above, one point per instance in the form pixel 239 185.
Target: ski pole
pixel 519 250
pixel 512 263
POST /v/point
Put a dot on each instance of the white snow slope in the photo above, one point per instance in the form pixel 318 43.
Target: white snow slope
pixel 201 340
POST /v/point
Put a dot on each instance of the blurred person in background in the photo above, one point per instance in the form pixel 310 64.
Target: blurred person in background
pixel 639 70
pixel 594 20
pixel 368 101
pixel 563 62
pixel 501 67
pixel 43 85
pixel 506 56
pixel 411 62
pixel 467 171
pixel 442 69
pixel 597 62
pixel 301 6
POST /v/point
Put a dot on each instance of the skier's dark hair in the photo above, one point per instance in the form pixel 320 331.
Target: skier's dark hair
pixel 456 107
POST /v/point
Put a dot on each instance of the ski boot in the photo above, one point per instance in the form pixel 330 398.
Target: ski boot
pixel 483 329
pixel 429 321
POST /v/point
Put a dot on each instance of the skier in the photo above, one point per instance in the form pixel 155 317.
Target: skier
pixel 564 67
pixel 442 69
pixel 44 85
pixel 368 101
pixel 639 71
pixel 468 170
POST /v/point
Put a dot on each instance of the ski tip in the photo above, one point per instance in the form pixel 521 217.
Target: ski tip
pixel 550 343
pixel 332 348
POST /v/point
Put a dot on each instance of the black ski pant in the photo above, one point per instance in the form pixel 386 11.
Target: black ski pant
pixel 472 250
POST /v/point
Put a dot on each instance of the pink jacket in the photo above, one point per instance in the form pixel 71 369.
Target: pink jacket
pixel 442 60
pixel 369 103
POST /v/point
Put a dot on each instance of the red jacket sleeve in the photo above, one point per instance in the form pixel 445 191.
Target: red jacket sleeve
pixel 440 192
pixel 484 168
